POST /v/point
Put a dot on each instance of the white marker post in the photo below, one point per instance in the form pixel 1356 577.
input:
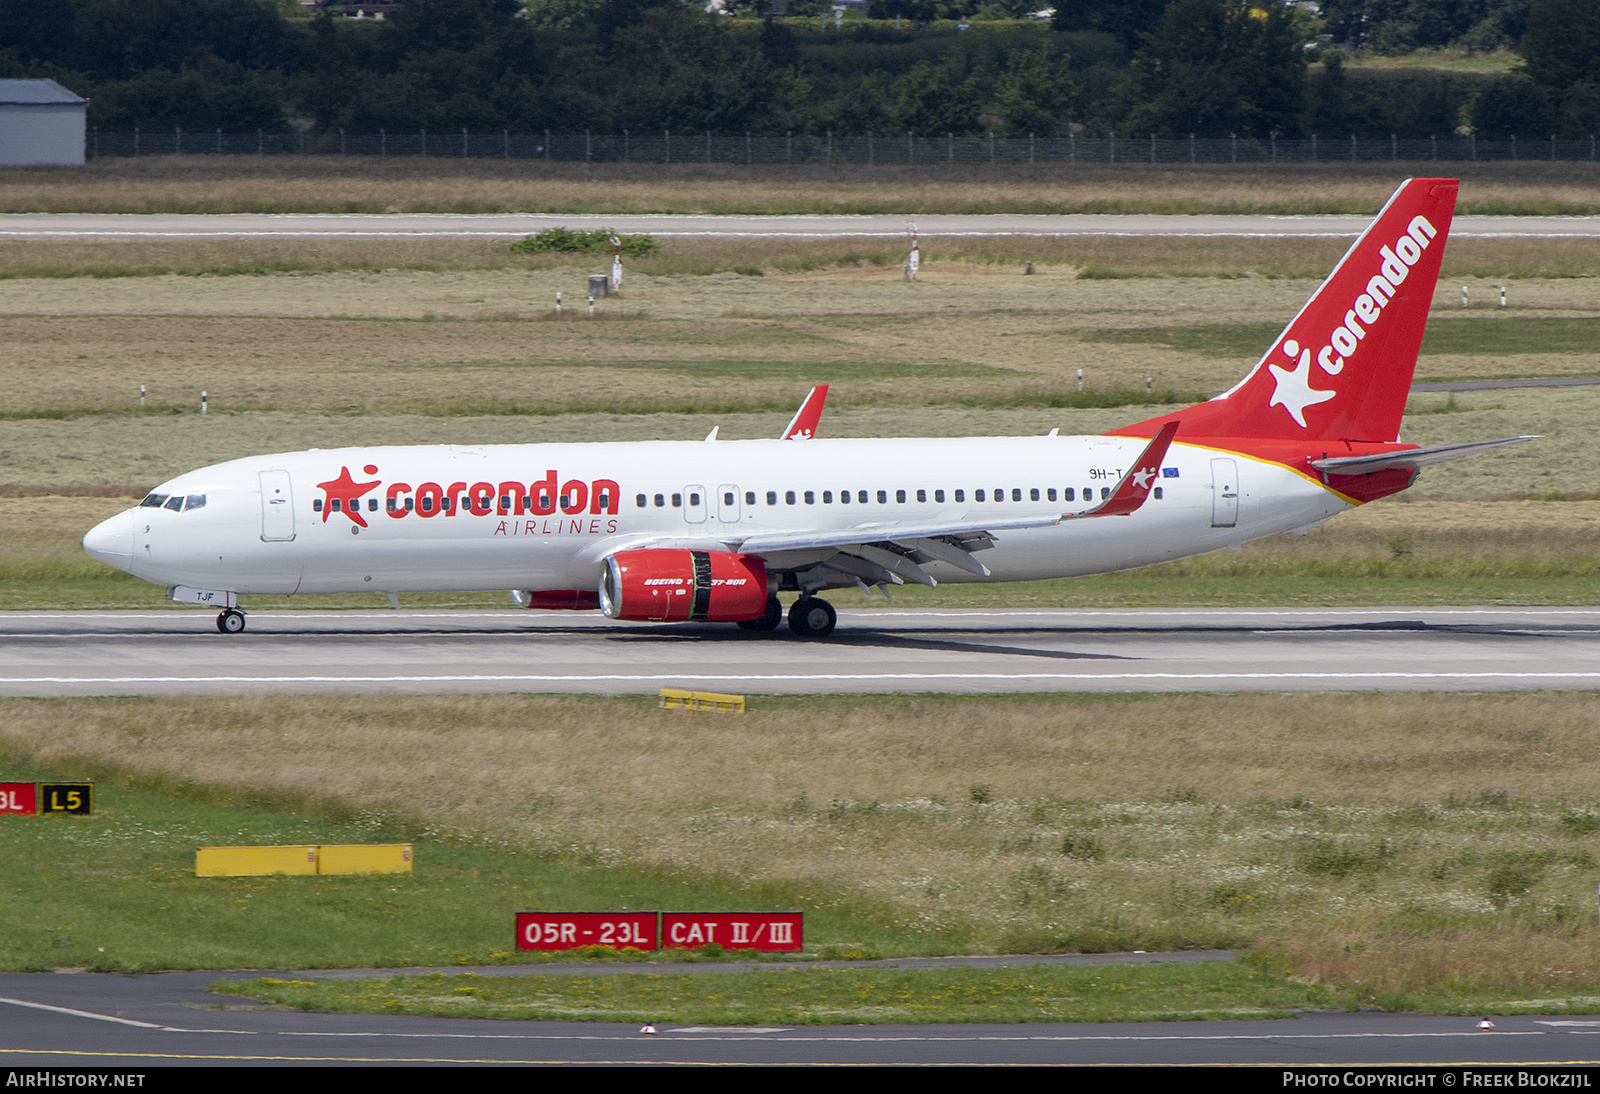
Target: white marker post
pixel 141 395
pixel 915 258
pixel 616 263
pixel 591 307
pixel 1463 296
pixel 1080 379
pixel 1502 296
pixel 558 303
pixel 202 402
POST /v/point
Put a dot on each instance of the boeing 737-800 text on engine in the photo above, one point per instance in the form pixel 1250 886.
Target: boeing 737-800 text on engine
pixel 716 530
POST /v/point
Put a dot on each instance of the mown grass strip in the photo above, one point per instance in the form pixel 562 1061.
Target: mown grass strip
pixel 810 996
pixel 1495 335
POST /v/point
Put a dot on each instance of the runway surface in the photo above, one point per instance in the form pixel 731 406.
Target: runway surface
pixel 167 1019
pixel 511 226
pixel 971 652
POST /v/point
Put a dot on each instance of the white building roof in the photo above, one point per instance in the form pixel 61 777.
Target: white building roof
pixel 35 93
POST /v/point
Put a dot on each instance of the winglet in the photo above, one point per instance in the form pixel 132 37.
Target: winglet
pixel 803 426
pixel 1135 486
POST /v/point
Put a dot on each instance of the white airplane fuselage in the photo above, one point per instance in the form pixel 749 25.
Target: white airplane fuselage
pixel 267 526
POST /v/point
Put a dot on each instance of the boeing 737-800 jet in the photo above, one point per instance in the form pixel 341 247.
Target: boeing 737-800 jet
pixel 716 531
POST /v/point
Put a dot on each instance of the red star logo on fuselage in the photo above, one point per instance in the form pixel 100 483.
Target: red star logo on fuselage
pixel 347 492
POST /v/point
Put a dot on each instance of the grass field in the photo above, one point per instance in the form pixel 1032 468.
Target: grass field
pixel 117 891
pixel 329 184
pixel 823 996
pixel 1409 849
pixel 418 355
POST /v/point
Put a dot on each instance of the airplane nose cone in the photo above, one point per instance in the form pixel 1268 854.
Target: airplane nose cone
pixel 111 541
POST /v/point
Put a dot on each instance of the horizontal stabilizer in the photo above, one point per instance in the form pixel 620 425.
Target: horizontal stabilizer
pixel 1412 459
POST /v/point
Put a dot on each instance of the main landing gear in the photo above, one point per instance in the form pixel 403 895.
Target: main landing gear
pixel 768 621
pixel 812 617
pixel 230 621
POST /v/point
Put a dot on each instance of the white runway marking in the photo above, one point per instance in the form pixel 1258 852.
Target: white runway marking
pixel 786 678
pixel 113 1019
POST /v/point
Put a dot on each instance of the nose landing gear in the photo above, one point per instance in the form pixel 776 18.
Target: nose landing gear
pixel 230 621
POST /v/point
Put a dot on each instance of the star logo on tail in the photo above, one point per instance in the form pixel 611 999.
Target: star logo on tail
pixel 1142 478
pixel 347 492
pixel 1294 391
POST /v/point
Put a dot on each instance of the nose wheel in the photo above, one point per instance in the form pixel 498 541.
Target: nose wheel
pixel 812 617
pixel 230 621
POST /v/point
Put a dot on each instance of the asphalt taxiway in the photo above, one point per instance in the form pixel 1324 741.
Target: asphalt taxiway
pixel 171 1019
pixel 884 650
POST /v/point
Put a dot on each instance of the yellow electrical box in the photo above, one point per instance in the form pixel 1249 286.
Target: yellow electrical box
pixel 709 701
pixel 364 858
pixel 249 861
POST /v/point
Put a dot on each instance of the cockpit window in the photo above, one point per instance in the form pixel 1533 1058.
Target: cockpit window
pixel 175 503
pixel 196 501
pixel 153 501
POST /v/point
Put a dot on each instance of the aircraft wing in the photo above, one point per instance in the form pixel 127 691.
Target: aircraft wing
pixel 803 426
pixel 893 552
pixel 888 552
pixel 1413 459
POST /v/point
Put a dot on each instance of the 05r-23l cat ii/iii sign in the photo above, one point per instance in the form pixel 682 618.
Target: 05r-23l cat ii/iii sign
pixel 716 531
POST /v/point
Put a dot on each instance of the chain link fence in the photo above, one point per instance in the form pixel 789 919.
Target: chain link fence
pixel 905 149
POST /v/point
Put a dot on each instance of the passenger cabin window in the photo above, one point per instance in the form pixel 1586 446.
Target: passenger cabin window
pixel 900 497
pixel 316 505
pixel 883 497
pixel 811 497
pixel 1158 493
pixel 772 497
pixel 639 501
pixel 677 501
pixel 788 497
pixel 861 496
pixel 661 499
pixel 1050 494
pixel 749 497
pixel 827 497
pixel 1069 494
pixel 961 495
pixel 727 497
pixel 938 495
pixel 977 495
pixel 922 495
pixel 844 497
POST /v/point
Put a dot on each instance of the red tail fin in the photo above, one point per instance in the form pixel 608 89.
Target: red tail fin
pixel 1341 370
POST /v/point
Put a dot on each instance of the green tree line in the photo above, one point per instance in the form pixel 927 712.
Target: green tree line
pixel 1134 67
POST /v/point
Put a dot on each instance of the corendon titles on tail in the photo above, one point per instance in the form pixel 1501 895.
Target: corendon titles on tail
pixel 721 531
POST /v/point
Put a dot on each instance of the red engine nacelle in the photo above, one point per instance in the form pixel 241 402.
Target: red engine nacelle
pixel 674 585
